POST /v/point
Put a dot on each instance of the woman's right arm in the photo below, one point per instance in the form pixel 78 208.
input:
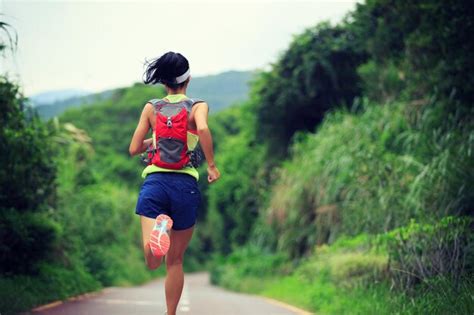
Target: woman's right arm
pixel 205 138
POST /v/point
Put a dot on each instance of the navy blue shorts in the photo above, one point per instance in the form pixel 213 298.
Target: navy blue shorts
pixel 173 194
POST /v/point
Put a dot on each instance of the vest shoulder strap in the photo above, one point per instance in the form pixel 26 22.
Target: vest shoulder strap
pixel 157 103
pixel 188 102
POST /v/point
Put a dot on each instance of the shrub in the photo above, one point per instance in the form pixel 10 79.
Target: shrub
pixel 26 240
pixel 348 263
pixel 353 269
pixel 419 252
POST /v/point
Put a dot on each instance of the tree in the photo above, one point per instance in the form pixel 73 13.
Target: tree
pixel 27 185
pixel 317 73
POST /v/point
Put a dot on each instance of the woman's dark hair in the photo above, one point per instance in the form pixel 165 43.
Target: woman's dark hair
pixel 166 69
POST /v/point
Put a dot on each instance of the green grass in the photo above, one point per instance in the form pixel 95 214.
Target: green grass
pixel 325 297
pixel 290 290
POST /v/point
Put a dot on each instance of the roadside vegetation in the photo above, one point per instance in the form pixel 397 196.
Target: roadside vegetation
pixel 360 200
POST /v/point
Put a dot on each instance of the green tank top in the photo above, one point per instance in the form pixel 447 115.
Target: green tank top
pixel 192 142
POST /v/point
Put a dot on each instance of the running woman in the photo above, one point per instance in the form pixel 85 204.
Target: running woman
pixel 169 197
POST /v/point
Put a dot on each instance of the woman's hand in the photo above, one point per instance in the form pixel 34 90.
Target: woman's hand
pixel 213 174
pixel 205 138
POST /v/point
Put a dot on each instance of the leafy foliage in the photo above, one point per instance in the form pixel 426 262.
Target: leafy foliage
pixel 23 142
pixel 26 232
pixel 26 240
pixel 427 38
pixel 318 72
pixel 233 201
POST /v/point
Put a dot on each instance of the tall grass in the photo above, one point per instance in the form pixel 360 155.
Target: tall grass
pixel 369 172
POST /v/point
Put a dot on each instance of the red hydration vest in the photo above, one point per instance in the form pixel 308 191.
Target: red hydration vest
pixel 170 136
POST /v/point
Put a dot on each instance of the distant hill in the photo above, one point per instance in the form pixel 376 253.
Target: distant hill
pixel 219 91
pixel 51 97
pixel 57 108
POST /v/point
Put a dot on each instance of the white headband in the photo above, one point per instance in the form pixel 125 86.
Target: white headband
pixel 183 77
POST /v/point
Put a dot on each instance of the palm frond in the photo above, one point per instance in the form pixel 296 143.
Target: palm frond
pixel 10 40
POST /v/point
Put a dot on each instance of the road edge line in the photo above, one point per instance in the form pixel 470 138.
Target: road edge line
pixel 292 308
pixel 53 304
pixel 46 306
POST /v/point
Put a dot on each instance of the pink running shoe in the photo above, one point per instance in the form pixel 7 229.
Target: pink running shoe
pixel 159 237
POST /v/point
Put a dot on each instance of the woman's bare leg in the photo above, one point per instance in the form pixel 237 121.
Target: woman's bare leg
pixel 174 266
pixel 147 226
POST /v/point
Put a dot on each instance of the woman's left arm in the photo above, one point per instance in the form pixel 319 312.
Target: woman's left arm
pixel 138 143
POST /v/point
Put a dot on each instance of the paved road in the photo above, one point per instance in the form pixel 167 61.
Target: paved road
pixel 199 298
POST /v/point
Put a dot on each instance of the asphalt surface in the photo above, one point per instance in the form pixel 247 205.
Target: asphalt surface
pixel 199 298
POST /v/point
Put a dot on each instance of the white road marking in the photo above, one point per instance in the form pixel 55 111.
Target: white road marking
pixel 120 301
pixel 121 298
pixel 184 308
pixel 184 302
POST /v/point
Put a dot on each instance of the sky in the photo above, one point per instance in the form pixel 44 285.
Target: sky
pixel 98 45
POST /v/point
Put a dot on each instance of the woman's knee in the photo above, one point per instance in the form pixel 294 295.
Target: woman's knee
pixel 151 261
pixel 152 264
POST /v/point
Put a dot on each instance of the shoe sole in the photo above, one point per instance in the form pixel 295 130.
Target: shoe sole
pixel 159 237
